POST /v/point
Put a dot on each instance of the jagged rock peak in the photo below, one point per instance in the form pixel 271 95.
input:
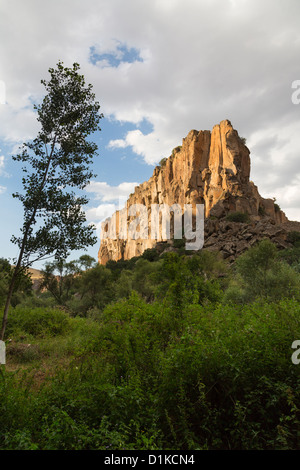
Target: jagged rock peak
pixel 210 168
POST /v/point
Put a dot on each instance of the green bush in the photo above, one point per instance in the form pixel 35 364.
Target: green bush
pixel 179 242
pixel 217 377
pixel 241 217
pixel 163 162
pixel 294 238
pixel 39 322
pixel 292 257
pixel 261 273
pixel 151 254
pixel 277 207
pixel 176 150
pixel 171 363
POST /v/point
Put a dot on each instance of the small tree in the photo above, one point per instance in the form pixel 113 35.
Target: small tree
pixel 59 279
pixel 261 273
pixel 55 163
pixel 86 262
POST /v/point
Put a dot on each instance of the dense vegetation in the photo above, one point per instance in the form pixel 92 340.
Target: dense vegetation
pixel 177 351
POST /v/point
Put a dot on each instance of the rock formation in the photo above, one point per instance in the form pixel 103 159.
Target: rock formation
pixel 210 168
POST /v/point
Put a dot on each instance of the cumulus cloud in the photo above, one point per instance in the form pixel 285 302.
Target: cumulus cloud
pixel 2 166
pixel 199 62
pixel 106 193
pixel 100 212
pixel 2 158
pixel 275 152
pixel 112 198
pixel 2 172
pixel 152 147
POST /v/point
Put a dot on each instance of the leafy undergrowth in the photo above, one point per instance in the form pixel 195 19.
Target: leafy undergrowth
pixel 152 376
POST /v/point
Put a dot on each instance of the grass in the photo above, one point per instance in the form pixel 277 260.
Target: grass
pixel 148 376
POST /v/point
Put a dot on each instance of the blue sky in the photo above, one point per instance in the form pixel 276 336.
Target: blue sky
pixel 159 69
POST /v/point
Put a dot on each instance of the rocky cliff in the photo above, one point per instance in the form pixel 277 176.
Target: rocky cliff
pixel 210 168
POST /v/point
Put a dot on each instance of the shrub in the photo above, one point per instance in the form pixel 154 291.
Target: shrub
pixel 179 243
pixel 241 217
pixel 277 207
pixel 218 377
pixel 38 322
pixel 163 162
pixel 291 256
pixel 151 254
pixel 176 150
pixel 262 274
pixel 294 238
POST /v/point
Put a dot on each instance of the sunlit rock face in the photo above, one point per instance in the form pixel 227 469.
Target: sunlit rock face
pixel 210 168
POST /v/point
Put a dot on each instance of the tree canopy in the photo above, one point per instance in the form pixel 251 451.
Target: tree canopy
pixel 56 166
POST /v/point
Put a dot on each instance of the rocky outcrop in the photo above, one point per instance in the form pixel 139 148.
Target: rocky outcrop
pixel 210 168
pixel 231 239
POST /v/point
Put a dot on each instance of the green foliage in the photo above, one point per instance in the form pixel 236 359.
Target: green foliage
pixel 142 278
pixel 179 242
pixel 86 262
pixel 163 162
pixel 56 167
pixel 260 273
pixel 56 161
pixel 176 149
pixel 140 377
pixel 58 279
pixel 150 254
pixel 241 217
pixel 94 289
pixel 291 256
pixel 159 358
pixel 23 287
pixel 38 322
pixel 182 280
pixel 277 207
pixel 294 238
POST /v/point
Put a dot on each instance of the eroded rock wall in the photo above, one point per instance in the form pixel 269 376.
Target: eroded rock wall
pixel 210 168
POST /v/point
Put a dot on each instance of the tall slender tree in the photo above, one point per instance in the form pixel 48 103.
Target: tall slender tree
pixel 56 167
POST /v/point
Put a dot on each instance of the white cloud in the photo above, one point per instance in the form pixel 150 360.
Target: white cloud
pixel 152 146
pixel 107 193
pixel 2 189
pixel 2 166
pixel 293 214
pixel 100 212
pixel 275 163
pixel 112 198
pixel 2 158
pixel 17 124
pixel 203 61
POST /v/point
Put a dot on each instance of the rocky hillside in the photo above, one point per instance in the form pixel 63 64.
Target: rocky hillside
pixel 210 168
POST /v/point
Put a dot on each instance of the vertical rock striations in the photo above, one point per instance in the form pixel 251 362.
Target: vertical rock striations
pixel 210 168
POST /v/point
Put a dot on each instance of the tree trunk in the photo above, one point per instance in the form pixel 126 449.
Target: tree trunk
pixel 18 266
pixel 8 299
